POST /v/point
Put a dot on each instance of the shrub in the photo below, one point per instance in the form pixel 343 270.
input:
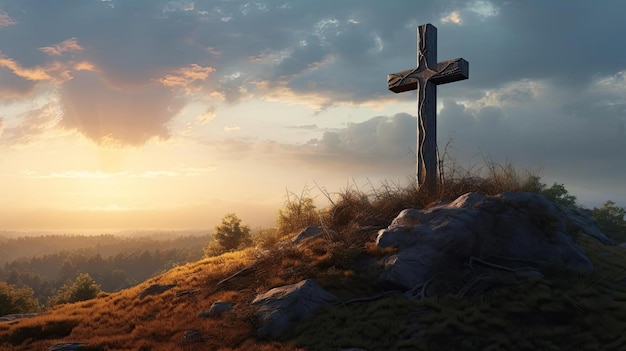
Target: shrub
pixel 267 238
pixel 556 193
pixel 610 218
pixel 228 236
pixel 299 212
pixel 17 300
pixel 83 288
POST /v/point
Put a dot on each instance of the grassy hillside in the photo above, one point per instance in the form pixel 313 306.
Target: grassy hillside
pixel 560 311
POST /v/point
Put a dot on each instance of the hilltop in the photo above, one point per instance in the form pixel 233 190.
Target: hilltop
pixel 559 303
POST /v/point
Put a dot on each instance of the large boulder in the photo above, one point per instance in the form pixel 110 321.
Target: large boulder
pixel 523 229
pixel 285 306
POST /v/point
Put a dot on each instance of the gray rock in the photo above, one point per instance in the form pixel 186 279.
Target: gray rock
pixel 217 308
pixel 284 306
pixel 66 346
pixel 193 336
pixel 309 233
pixel 519 227
pixel 585 225
pixel 155 289
pixel 16 316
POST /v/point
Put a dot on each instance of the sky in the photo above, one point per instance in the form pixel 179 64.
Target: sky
pixel 150 114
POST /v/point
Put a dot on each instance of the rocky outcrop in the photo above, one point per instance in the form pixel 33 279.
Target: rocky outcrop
pixel 284 306
pixel 521 232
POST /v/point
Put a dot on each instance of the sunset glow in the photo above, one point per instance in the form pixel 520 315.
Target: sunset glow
pixel 124 115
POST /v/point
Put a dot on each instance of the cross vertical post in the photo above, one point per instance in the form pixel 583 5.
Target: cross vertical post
pixel 425 78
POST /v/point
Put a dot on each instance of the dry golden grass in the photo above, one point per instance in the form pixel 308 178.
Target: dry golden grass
pixel 123 321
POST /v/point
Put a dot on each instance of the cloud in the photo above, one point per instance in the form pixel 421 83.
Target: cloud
pixel 126 116
pixel 208 115
pixel 482 8
pixel 229 129
pixel 13 86
pixel 31 125
pixel 551 90
pixel 33 74
pixel 6 20
pixel 69 45
pixel 375 144
pixel 303 127
pixel 452 17
pixel 190 78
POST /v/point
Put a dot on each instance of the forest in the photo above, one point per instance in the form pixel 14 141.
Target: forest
pixel 37 270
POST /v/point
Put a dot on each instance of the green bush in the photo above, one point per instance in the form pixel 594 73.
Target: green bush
pixel 83 288
pixel 17 300
pixel 228 236
pixel 611 221
pixel 556 193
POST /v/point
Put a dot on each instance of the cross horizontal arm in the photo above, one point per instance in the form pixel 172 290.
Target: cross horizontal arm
pixel 451 71
pixel 447 72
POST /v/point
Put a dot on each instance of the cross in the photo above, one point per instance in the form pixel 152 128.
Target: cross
pixel 425 79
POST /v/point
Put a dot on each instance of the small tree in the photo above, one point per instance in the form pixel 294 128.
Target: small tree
pixel 229 235
pixel 611 220
pixel 559 195
pixel 83 288
pixel 556 193
pixel 17 300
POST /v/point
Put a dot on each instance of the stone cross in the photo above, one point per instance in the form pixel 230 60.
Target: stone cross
pixel 425 79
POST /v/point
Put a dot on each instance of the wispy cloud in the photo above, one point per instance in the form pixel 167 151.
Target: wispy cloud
pixel 229 129
pixel 31 125
pixel 69 45
pixel 207 116
pixel 303 127
pixel 188 78
pixel 6 20
pixel 36 73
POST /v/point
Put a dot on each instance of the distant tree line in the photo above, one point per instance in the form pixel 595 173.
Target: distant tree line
pixel 30 284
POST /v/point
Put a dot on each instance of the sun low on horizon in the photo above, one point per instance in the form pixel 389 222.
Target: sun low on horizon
pixel 167 115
